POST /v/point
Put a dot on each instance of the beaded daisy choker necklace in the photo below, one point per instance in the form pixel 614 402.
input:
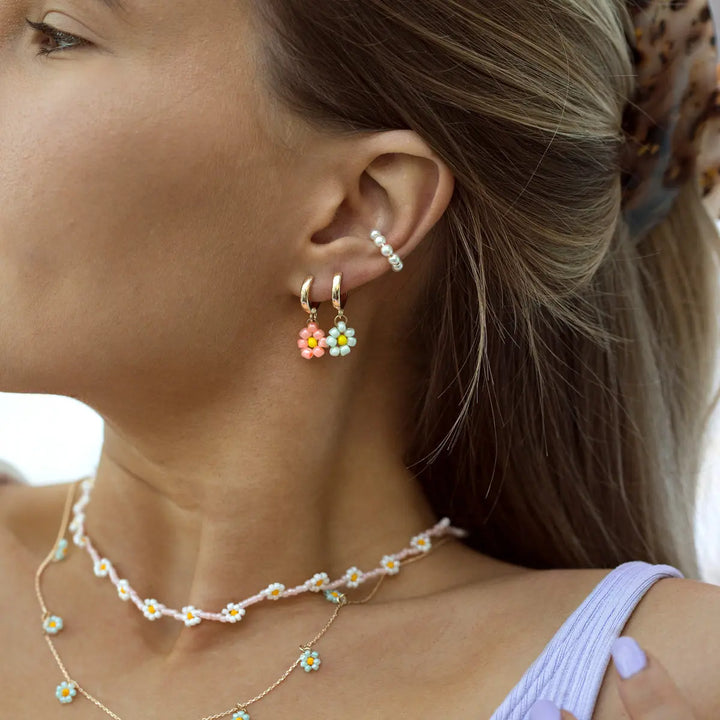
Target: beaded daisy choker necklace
pixel 421 545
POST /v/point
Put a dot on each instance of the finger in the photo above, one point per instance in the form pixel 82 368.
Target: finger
pixel 547 710
pixel 645 686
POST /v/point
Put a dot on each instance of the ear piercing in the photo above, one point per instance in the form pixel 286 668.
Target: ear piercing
pixel 341 338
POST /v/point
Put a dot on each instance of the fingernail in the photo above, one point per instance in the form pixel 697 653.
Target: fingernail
pixel 628 656
pixel 544 710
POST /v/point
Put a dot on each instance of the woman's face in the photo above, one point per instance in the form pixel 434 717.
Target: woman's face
pixel 146 195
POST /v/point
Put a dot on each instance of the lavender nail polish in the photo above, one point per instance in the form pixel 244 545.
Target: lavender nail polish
pixel 628 656
pixel 544 710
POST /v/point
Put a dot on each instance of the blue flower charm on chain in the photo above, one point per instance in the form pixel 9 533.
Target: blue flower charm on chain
pixel 334 596
pixel 61 550
pixel 65 692
pixel 240 715
pixel 52 624
pixel 310 660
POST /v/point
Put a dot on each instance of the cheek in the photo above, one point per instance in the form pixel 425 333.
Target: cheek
pixel 128 214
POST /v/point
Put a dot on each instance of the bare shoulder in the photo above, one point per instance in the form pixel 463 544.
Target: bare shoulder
pixel 678 621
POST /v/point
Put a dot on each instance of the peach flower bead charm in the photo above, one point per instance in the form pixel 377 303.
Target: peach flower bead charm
pixel 312 342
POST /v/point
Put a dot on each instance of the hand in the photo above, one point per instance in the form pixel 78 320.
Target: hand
pixel 646 689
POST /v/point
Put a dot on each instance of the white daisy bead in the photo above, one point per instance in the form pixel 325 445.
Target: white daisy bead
pixel 233 612
pixel 102 567
pixel 273 591
pixel 123 589
pixel 152 609
pixel 421 542
pixel 190 616
pixel 318 581
pixel 75 524
pixel 352 577
pixel 341 339
pixel 80 539
pixel 391 565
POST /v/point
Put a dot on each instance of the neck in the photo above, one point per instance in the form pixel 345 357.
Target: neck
pixel 203 515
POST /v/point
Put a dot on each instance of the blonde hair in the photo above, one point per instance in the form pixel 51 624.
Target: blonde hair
pixel 573 437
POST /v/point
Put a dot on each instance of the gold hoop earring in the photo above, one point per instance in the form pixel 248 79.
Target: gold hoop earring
pixel 341 338
pixel 312 341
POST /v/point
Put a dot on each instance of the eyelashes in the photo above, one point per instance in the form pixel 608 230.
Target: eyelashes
pixel 68 41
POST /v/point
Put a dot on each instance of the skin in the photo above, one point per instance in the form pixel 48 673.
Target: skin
pixel 187 213
pixel 147 176
pixel 648 694
pixel 160 214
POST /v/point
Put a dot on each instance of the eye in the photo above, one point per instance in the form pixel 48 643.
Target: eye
pixel 68 41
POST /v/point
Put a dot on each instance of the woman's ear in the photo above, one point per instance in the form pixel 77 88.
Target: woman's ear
pixel 390 181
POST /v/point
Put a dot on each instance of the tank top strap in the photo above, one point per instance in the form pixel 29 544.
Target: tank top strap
pixel 570 669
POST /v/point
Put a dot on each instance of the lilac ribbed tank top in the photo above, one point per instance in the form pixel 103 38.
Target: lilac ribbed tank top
pixel 570 669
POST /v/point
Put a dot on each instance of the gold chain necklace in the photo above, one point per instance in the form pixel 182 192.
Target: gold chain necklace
pixel 309 660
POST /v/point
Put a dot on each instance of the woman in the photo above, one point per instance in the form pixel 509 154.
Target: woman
pixel 331 272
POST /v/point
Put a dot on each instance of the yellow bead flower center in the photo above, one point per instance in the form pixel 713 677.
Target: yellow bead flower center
pixel 276 592
pixel 312 342
pixel 151 608
pixel 233 612
pixel 65 692
pixel 310 661
pixel 391 564
pixel 342 340
pixel 354 577
pixel 52 624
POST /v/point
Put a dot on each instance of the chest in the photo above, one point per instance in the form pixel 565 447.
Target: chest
pixel 438 664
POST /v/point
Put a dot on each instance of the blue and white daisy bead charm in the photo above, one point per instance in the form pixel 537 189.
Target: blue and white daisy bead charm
pixel 335 597
pixel 52 624
pixel 240 715
pixel 61 550
pixel 341 339
pixel 309 660
pixel 65 692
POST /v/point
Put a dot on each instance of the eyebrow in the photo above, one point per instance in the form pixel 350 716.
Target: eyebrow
pixel 115 5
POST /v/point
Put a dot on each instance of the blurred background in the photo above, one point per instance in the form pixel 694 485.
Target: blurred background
pixel 49 438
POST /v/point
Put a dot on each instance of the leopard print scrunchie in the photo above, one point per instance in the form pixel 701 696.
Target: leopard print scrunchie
pixel 672 125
